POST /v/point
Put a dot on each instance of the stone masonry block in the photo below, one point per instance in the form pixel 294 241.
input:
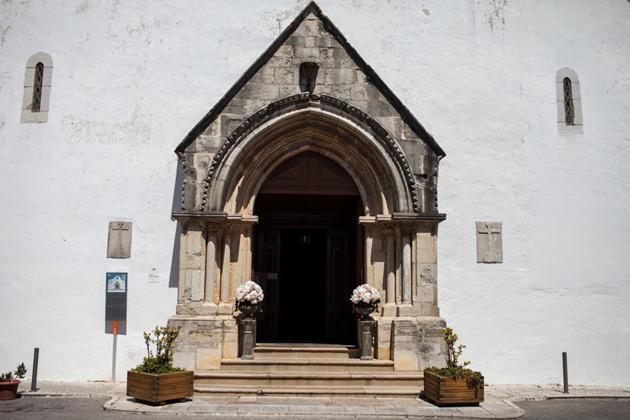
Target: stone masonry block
pixel 322 90
pixel 229 122
pixel 408 133
pixel 304 52
pixel 264 91
pixel 359 93
pixel 213 129
pixel 311 27
pixel 193 262
pixel 282 62
pixel 194 243
pixel 209 143
pixel 252 106
pixel 208 358
pixel 329 63
pixel 285 51
pixel 405 360
pixel 296 40
pixel 427 274
pixel 342 92
pixel 326 42
pixel 414 150
pixel 391 124
pixel 340 54
pixel 230 339
pixel 326 53
pixel 185 360
pixel 197 280
pixel 285 76
pixel 289 90
pixel 381 108
pixel 373 94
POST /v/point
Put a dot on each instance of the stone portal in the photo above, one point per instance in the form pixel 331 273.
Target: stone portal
pixel 310 182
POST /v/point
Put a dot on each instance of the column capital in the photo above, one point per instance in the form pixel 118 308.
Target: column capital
pixel 213 221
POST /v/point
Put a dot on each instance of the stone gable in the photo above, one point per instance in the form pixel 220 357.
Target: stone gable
pixel 341 74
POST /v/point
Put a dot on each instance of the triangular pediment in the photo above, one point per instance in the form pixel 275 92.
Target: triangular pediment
pixel 343 74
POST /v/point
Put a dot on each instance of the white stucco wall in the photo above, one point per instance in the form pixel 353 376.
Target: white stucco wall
pixel 132 78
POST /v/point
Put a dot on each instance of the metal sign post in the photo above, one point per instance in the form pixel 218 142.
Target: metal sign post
pixel 116 286
pixel 114 352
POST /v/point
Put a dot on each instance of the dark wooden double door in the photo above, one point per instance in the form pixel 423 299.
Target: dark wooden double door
pixel 305 253
pixel 308 274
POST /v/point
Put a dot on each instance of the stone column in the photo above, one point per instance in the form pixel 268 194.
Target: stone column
pixel 389 306
pixel 391 270
pixel 211 265
pixel 225 305
pixel 406 270
pixel 369 269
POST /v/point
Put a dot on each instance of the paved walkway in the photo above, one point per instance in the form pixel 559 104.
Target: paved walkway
pixel 499 402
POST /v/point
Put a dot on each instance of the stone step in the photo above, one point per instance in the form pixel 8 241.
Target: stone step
pixel 305 351
pixel 310 391
pixel 307 365
pixel 296 379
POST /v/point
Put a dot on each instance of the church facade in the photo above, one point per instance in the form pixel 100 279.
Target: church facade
pixel 467 160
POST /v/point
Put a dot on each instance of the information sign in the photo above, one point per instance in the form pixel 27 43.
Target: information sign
pixel 116 303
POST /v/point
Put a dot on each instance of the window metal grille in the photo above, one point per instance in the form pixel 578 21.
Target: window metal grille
pixel 569 112
pixel 37 87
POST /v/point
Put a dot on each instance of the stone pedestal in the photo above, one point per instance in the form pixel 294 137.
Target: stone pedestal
pixel 249 332
pixel 366 327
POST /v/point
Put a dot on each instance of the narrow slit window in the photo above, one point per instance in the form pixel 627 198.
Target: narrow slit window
pixel 38 83
pixel 569 102
pixel 569 112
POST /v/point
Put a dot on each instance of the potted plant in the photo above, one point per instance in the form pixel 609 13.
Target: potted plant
pixel 365 300
pixel 10 381
pixel 156 380
pixel 453 384
pixel 248 298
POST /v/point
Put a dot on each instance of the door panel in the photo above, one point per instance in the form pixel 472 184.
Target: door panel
pixel 307 276
pixel 340 323
pixel 266 271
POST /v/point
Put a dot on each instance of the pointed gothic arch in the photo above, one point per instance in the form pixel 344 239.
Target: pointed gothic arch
pixel 329 127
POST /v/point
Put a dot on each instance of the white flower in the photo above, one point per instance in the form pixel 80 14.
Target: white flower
pixel 249 292
pixel 366 294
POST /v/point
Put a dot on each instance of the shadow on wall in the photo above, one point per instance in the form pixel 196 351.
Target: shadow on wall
pixel 177 205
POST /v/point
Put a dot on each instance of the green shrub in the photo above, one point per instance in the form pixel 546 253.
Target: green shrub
pixel 453 368
pixel 162 360
pixel 14 376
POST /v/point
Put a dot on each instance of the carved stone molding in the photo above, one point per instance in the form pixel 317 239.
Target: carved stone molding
pixel 302 101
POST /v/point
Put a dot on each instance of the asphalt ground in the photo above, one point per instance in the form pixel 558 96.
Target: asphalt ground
pixel 75 408
pixel 70 400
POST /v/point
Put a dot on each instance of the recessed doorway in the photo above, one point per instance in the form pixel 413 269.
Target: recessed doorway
pixel 305 252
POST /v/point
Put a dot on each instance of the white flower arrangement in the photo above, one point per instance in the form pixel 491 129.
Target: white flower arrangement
pixel 249 293
pixel 365 295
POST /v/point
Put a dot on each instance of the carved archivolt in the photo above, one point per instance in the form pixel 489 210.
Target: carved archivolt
pixel 307 122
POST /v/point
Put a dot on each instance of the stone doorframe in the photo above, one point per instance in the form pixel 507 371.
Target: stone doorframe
pixel 400 229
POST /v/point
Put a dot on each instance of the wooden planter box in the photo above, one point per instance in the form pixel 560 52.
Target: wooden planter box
pixel 443 390
pixel 158 389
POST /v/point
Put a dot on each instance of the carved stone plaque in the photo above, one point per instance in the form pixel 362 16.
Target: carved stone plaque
pixel 489 242
pixel 119 240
